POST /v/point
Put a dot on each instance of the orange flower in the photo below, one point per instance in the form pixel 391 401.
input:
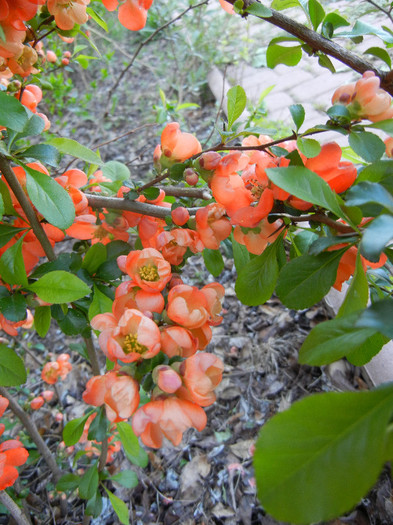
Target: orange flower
pixel 72 180
pixel 37 402
pixel 177 146
pixel 174 244
pixel 212 225
pixel 10 327
pixel 201 374
pixel 256 239
pixel 85 227
pixel 187 306
pixel 12 455
pixel 3 405
pixel 55 369
pixel 365 99
pixel 129 338
pixel 166 378
pixel 130 296
pixel 148 269
pixel 69 13
pixel 227 7
pixel 167 418
pixel 119 394
pixel 180 216
pixel 214 293
pixel 176 340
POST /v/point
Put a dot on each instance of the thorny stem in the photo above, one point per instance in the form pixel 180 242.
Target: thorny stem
pixel 114 203
pixel 140 47
pixel 15 186
pixel 31 429
pixel 122 135
pixel 320 43
pixel 17 513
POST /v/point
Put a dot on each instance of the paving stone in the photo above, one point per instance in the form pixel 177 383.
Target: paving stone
pixel 319 86
pixel 277 101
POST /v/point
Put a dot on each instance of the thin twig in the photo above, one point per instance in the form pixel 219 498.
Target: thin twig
pixel 15 186
pixel 140 47
pixel 155 181
pixel 17 513
pixel 380 8
pixel 31 429
pixel 122 136
pixel 320 43
pixel 319 217
pixel 219 108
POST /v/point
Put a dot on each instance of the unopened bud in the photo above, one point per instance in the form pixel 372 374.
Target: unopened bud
pixel 191 177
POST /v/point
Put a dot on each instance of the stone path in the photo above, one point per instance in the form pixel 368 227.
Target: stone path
pixel 307 83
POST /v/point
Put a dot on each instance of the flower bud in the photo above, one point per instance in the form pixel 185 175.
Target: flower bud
pixel 191 177
pixel 166 379
pixel 180 216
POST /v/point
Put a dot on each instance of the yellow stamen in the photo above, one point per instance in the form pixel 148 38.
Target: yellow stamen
pixel 131 345
pixel 149 273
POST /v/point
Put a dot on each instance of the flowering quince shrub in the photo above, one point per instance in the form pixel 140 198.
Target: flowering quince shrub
pixel 297 215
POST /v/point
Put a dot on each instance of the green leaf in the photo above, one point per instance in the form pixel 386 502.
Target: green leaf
pixel 317 460
pixel 42 152
pixel 101 303
pixel 316 12
pixel 13 307
pixel 73 430
pixel 379 171
pixel 98 427
pixel 97 18
pixel 384 125
pixel 126 478
pixel 309 147
pixel 68 482
pixel 306 280
pixel 119 507
pixel 73 148
pixel 12 367
pixel 34 126
pixel 13 114
pixel 236 104
pixel 306 185
pixel 377 234
pixel 241 255
pixel 381 53
pixel 7 232
pixel 322 243
pixel 74 323
pixel 89 483
pixel 60 287
pixel 116 171
pixel 42 319
pixel 324 61
pixel 280 5
pixel 357 293
pixel 288 55
pixel 366 192
pixel 378 317
pixel 258 10
pixel 329 341
pixel 95 256
pixel 50 199
pixel 257 280
pixel 151 193
pixel 94 505
pixel 367 145
pixel 12 266
pixel 362 28
pixel 298 114
pixel 213 261
pixel 364 353
pixel 128 438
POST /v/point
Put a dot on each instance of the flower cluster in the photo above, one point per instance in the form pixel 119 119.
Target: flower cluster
pixel 150 317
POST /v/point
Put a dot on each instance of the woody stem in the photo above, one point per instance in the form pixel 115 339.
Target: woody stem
pixel 35 224
pixel 32 430
pixel 17 513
